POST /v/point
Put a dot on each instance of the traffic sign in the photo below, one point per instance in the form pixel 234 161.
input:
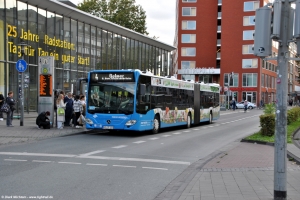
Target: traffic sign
pixel 225 89
pixel 21 65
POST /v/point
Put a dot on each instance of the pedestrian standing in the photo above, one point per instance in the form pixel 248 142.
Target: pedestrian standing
pixel 69 108
pixel 60 117
pixel 233 104
pixel 11 102
pixel 1 103
pixel 83 103
pixel 77 107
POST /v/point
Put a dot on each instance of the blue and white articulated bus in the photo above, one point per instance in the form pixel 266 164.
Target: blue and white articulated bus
pixel 133 100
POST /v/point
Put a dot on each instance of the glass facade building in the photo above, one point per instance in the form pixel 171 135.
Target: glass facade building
pixel 79 43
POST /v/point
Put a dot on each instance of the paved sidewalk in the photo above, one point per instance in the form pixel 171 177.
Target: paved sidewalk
pixel 29 131
pixel 240 171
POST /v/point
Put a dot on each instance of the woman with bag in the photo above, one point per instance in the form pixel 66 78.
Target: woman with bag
pixel 77 107
pixel 61 106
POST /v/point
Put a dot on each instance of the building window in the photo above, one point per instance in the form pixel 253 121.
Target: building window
pixel 247 49
pixel 249 63
pixel 262 80
pixel 188 25
pixel 185 51
pixel 206 78
pixel 249 21
pixel 188 64
pixel 187 11
pixel 250 80
pixel 234 81
pixel 188 38
pixel 248 35
pixel 251 6
pixel 189 0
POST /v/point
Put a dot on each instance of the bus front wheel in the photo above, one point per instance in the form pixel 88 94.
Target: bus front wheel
pixel 156 125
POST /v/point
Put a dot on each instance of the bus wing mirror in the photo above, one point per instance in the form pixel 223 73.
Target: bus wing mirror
pixel 142 89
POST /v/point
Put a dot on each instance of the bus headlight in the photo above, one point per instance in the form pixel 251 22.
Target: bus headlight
pixel 88 121
pixel 130 122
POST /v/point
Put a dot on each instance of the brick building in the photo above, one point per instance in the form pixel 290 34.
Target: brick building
pixel 214 41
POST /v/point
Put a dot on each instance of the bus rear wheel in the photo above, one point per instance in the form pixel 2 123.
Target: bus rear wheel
pixel 156 125
pixel 188 124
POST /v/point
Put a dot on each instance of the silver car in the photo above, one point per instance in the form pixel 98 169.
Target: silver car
pixel 240 105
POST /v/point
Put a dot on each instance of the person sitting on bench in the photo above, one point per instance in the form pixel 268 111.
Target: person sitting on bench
pixel 42 121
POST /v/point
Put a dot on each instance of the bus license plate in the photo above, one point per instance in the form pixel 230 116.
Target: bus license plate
pixel 108 127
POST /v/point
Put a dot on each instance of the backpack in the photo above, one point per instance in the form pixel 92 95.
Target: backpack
pixel 5 108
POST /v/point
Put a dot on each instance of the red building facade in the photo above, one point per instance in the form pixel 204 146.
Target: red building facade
pixel 214 41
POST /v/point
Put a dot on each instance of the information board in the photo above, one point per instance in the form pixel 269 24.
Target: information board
pixel 46 85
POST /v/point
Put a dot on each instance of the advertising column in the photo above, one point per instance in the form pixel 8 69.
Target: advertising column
pixel 46 86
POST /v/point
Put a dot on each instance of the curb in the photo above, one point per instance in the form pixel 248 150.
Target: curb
pixel 289 154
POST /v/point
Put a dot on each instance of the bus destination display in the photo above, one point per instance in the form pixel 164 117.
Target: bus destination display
pixel 45 85
pixel 112 77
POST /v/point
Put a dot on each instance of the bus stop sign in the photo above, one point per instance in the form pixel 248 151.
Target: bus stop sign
pixel 21 65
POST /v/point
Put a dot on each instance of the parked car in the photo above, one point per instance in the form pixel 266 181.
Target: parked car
pixel 240 105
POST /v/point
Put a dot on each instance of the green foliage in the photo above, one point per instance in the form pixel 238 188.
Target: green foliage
pixel 269 109
pixel 267 123
pixel 293 114
pixel 122 12
pixel 291 128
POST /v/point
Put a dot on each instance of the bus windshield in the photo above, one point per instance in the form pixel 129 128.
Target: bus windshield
pixel 111 97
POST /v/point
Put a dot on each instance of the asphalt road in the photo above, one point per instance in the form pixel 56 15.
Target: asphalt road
pixel 115 166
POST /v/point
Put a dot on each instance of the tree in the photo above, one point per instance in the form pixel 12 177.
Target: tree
pixel 122 12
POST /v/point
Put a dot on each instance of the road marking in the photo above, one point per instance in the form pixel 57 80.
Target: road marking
pixel 14 160
pixel 37 154
pixel 177 133
pixel 186 131
pixel 124 166
pixel 42 161
pixel 155 138
pixel 99 158
pixel 210 126
pixel 91 153
pixel 119 147
pixel 166 135
pixel 195 129
pixel 72 163
pixel 139 142
pixel 92 164
pixel 154 168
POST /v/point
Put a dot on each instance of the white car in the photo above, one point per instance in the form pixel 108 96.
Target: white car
pixel 240 105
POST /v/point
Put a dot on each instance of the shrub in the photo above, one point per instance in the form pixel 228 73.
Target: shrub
pixel 269 109
pixel 267 123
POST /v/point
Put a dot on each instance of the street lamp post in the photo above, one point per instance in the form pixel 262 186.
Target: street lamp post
pixel 23 45
pixel 230 76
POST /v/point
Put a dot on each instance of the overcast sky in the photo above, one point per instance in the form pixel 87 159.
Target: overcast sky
pixel 160 18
